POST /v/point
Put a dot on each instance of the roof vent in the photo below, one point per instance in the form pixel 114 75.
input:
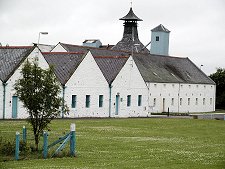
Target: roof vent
pixel 92 43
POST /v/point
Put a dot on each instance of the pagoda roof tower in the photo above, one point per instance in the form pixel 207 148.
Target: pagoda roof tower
pixel 130 41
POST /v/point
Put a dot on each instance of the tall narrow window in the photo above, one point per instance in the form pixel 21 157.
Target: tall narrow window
pixel 181 101
pixel 189 101
pixel 157 38
pixel 196 101
pixel 100 101
pixel 210 101
pixel 203 101
pixel 128 100
pixel 172 101
pixel 74 101
pixel 139 100
pixel 87 101
pixel 154 102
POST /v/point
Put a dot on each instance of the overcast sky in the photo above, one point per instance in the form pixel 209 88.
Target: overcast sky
pixel 197 26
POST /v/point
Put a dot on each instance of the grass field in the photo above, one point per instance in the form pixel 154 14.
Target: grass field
pixel 131 143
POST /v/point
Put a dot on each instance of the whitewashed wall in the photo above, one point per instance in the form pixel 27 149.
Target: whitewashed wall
pixel 87 80
pixel 181 93
pixel 129 82
pixel 10 92
pixel 58 48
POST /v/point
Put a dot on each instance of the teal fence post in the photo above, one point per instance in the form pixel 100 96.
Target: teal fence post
pixel 17 150
pixel 72 139
pixel 45 147
pixel 24 134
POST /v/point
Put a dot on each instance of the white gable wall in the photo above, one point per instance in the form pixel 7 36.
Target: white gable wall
pixel 10 92
pixel 129 82
pixel 87 80
pixel 58 48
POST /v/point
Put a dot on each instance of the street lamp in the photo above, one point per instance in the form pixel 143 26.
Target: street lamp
pixel 134 45
pixel 43 33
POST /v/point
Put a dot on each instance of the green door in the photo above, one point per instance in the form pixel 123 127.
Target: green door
pixel 14 106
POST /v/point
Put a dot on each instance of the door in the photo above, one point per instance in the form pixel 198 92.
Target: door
pixel 14 106
pixel 117 104
pixel 164 105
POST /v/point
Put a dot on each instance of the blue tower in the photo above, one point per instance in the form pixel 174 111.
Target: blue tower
pixel 160 40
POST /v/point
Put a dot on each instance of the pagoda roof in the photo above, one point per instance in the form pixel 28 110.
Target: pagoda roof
pixel 131 16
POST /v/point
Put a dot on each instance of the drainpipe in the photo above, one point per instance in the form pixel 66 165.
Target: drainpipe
pixel 110 99
pixel 179 99
pixel 63 101
pixel 4 96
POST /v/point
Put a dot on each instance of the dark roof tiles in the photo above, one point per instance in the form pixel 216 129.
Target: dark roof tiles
pixel 131 16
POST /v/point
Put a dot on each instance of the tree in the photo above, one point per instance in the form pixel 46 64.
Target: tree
pixel 219 79
pixel 39 90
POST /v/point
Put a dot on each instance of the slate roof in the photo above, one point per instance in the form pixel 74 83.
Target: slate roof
pixel 160 28
pixel 11 57
pixel 65 63
pixel 167 69
pixel 131 16
pixel 109 61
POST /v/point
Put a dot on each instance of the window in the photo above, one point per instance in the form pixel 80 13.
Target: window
pixel 157 38
pixel 172 101
pixel 189 86
pixel 196 101
pixel 181 101
pixel 210 101
pixel 100 101
pixel 74 101
pixel 139 100
pixel 164 85
pixel 203 100
pixel 87 101
pixel 189 101
pixel 128 100
pixel 155 85
pixel 154 102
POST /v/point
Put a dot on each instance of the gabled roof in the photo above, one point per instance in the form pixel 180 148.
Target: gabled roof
pixel 110 62
pixel 11 57
pixel 131 16
pixel 160 28
pixel 167 69
pixel 65 63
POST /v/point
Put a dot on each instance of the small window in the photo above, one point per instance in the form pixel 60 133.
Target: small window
pixel 210 101
pixel 173 85
pixel 172 101
pixel 189 86
pixel 87 101
pixel 189 101
pixel 128 100
pixel 139 100
pixel 155 85
pixel 154 102
pixel 100 101
pixel 203 101
pixel 74 101
pixel 164 85
pixel 181 101
pixel 157 38
pixel 196 101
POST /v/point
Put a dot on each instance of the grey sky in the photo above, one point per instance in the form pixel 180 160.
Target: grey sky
pixel 197 26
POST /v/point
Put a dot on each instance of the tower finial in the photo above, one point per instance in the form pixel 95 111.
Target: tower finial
pixel 131 3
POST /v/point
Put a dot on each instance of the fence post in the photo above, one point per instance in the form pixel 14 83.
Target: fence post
pixel 45 146
pixel 17 150
pixel 24 134
pixel 72 139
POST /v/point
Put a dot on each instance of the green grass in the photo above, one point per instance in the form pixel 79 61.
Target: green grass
pixel 131 143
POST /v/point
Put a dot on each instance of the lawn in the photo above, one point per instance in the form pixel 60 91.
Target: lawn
pixel 130 143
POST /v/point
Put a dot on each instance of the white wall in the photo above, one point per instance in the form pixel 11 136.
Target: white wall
pixel 10 92
pixel 180 93
pixel 129 82
pixel 87 80
pixel 58 48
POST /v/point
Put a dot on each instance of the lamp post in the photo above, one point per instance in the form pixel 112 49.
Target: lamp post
pixel 134 45
pixel 43 33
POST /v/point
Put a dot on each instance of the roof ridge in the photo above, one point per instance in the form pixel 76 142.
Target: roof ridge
pixel 111 56
pixel 17 47
pixel 45 53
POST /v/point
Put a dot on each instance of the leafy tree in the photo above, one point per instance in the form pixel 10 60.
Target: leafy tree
pixel 219 79
pixel 39 90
